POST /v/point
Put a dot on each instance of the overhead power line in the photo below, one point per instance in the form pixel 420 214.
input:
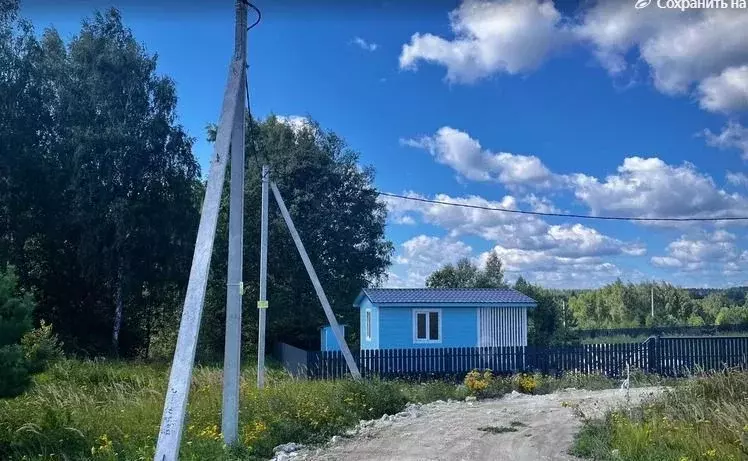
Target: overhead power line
pixel 252 138
pixel 561 215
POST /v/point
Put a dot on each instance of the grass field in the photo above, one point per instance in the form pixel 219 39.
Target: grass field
pixel 704 419
pixel 97 410
pixel 112 411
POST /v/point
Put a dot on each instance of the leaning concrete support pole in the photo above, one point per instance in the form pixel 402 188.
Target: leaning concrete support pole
pixel 177 393
pixel 352 367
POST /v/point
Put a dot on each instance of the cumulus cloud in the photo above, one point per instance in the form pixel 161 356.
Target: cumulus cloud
pixel 490 37
pixel 364 45
pixel 704 251
pixel 466 156
pixel 649 187
pixel 726 92
pixel 418 257
pixel 540 204
pixel 552 270
pixel 646 187
pixel 737 178
pixel 296 122
pixel 512 231
pixel 733 136
pixel 700 50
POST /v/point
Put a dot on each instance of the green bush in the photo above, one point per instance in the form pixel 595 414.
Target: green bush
pixel 14 375
pixel 15 321
pixel 41 348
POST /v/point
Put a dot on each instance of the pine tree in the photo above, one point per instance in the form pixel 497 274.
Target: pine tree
pixel 15 322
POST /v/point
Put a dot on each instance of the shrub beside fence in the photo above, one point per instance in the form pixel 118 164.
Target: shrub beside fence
pixel 665 356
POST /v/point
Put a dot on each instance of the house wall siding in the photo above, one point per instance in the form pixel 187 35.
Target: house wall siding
pixel 395 324
pixel 502 326
pixel 328 341
pixel 374 342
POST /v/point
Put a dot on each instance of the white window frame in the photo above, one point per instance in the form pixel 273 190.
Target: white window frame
pixel 368 321
pixel 416 339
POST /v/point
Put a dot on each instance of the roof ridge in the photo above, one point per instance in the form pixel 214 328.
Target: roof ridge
pixel 439 288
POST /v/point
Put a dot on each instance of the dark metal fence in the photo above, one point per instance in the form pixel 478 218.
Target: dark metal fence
pixel 660 331
pixel 665 356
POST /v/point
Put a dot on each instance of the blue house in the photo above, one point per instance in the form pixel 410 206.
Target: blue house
pixel 411 318
pixel 327 339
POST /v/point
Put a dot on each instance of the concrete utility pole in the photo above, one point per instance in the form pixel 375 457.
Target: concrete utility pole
pixel 262 304
pixel 234 285
pixel 352 367
pixel 180 376
pixel 563 310
pixel 177 393
pixel 652 299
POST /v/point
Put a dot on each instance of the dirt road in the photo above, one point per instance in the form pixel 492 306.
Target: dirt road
pixel 544 428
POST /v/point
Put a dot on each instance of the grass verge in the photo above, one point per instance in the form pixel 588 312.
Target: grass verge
pixel 704 419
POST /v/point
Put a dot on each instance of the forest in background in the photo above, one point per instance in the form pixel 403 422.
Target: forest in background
pixel 560 313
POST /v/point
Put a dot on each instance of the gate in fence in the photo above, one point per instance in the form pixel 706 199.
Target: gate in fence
pixel 666 356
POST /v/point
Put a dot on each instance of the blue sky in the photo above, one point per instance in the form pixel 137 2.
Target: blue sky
pixel 598 108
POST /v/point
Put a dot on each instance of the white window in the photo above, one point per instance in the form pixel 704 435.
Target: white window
pixel 368 324
pixel 427 326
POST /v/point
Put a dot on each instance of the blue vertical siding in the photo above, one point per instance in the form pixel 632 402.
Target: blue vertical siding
pixel 374 342
pixel 328 342
pixel 395 325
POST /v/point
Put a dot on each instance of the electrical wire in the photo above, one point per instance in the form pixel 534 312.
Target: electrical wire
pixel 562 215
pixel 464 205
pixel 252 137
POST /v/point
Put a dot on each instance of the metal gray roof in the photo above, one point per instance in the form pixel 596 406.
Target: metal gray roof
pixel 445 296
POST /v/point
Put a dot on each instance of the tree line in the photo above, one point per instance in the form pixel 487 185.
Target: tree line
pixel 560 313
pixel 100 198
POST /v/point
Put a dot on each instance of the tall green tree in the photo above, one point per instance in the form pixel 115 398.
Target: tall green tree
pixel 107 240
pixel 466 274
pixel 336 210
pixel 545 320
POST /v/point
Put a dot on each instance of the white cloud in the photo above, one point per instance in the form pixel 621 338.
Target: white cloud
pixel 465 155
pixel 645 187
pixel 511 36
pixel 418 257
pixel 296 122
pixel 649 187
pixel 364 45
pixel 699 45
pixel 554 271
pixel 704 251
pixel 666 261
pixel 733 136
pixel 737 179
pixel 510 230
pixel 700 49
pixel 540 204
pixel 726 92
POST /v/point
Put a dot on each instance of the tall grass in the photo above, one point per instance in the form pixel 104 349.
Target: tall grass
pixel 112 411
pixel 705 419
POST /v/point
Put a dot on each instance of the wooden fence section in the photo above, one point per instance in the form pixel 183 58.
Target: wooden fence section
pixel 666 356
